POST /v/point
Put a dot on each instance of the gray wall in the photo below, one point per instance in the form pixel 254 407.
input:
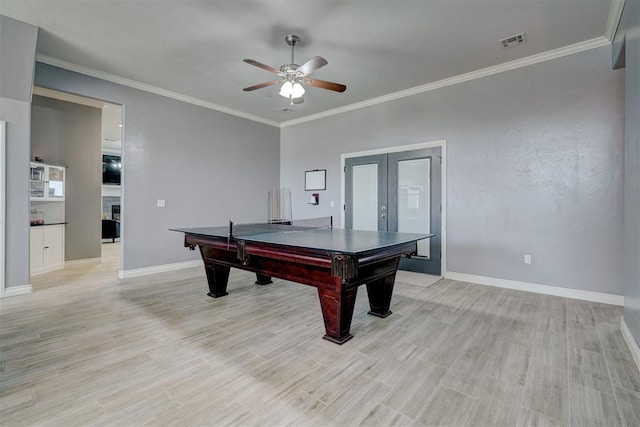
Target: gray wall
pixel 534 167
pixel 630 26
pixel 17 56
pixel 209 166
pixel 69 134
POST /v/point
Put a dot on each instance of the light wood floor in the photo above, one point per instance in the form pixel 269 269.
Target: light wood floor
pixel 86 348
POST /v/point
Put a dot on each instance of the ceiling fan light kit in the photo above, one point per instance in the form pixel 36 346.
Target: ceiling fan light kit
pixel 293 76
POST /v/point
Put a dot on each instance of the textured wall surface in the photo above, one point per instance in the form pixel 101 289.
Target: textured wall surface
pixel 69 134
pixel 631 26
pixel 534 166
pixel 17 56
pixel 208 166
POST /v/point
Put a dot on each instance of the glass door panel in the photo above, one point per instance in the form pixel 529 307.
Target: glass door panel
pixel 56 182
pixel 414 199
pixel 365 197
pixel 366 193
pixel 37 182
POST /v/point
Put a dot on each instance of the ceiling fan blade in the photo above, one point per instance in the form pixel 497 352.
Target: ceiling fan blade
pixel 261 65
pixel 324 85
pixel 311 65
pixel 261 85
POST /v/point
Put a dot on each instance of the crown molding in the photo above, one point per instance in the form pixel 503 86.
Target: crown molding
pixel 615 13
pixel 149 88
pixel 489 71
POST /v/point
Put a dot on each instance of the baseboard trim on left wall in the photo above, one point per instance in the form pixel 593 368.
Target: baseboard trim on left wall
pixel 136 272
pixel 17 290
pixel 631 342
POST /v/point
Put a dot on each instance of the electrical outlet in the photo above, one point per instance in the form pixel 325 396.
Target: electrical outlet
pixel 331 203
pixel 160 203
pixel 527 259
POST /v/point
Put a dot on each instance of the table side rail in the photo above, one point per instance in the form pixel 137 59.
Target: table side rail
pixel 307 274
pixel 390 252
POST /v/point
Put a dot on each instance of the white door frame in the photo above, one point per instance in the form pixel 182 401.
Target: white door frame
pixel 443 145
pixel 3 216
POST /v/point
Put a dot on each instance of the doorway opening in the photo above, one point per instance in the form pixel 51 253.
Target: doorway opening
pixel 399 189
pixel 70 138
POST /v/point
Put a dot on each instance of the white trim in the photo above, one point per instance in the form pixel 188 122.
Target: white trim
pixel 148 88
pixel 13 291
pixel 443 212
pixel 3 178
pixel 400 148
pixel 631 342
pixel 396 149
pixel 615 13
pixel 83 261
pixel 126 274
pixel 507 66
pixel 538 289
pixel 68 97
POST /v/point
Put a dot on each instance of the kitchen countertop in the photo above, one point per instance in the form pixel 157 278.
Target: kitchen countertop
pixel 49 223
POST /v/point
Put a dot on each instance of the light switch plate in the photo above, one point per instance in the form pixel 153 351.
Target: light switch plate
pixel 160 203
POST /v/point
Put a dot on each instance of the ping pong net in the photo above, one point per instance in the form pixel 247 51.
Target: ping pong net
pixel 289 226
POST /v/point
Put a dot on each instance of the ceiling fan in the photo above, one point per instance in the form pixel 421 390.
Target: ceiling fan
pixel 294 76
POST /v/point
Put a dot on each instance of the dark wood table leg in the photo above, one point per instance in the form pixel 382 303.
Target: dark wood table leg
pixel 261 279
pixel 217 277
pixel 337 311
pixel 379 293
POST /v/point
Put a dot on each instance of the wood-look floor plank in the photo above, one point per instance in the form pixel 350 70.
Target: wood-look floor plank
pixel 589 369
pixel 590 407
pixel 447 407
pixel 529 418
pixel 547 392
pixel 629 403
pixel 624 372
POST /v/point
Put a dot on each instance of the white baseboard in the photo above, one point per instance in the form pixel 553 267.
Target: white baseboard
pixel 538 289
pixel 125 274
pixel 631 342
pixel 17 290
pixel 83 261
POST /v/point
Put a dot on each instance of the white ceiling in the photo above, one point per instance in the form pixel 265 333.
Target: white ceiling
pixel 375 47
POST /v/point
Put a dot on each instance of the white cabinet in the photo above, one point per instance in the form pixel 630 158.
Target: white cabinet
pixel 46 182
pixel 47 248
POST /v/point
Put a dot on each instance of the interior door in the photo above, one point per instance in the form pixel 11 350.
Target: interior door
pixel 415 203
pixel 398 192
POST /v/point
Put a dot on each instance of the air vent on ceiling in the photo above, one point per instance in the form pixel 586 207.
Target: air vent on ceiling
pixel 513 40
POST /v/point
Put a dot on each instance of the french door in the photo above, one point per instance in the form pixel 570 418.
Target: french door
pixel 398 192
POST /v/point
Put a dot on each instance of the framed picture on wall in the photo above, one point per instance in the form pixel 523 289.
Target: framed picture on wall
pixel 315 180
